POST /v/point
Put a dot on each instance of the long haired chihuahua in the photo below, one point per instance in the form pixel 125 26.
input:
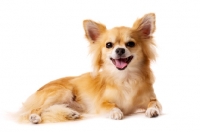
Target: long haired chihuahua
pixel 121 81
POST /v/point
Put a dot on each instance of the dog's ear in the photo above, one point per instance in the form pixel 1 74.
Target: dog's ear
pixel 145 25
pixel 93 30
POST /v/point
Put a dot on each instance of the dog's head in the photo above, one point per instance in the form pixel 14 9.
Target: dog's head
pixel 121 48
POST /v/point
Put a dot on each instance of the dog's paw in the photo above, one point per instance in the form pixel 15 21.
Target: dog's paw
pixel 73 115
pixel 152 112
pixel 35 118
pixel 116 114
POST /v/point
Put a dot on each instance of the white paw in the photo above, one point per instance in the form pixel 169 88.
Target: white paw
pixel 35 118
pixel 73 115
pixel 152 112
pixel 116 114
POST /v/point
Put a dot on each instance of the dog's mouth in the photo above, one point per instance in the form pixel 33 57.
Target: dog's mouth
pixel 121 63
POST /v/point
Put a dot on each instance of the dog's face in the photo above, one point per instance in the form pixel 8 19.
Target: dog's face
pixel 121 48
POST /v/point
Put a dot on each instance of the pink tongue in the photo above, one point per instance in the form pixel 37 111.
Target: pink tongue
pixel 119 63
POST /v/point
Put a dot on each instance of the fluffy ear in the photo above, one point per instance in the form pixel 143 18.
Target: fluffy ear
pixel 145 25
pixel 93 30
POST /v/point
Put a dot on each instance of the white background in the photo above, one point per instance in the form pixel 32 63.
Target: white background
pixel 42 40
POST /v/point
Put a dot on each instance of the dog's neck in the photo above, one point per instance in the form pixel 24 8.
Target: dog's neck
pixel 120 76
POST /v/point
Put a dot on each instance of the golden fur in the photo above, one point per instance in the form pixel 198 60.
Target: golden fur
pixel 107 90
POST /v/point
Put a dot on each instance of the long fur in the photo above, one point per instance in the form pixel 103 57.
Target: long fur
pixel 106 90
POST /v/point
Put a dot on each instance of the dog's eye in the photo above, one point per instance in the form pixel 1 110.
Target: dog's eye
pixel 109 45
pixel 130 44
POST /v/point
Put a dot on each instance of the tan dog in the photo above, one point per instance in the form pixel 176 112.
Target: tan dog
pixel 120 83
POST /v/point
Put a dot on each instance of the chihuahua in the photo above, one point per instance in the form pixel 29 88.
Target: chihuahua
pixel 121 81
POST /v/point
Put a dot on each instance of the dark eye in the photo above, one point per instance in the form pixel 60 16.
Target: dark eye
pixel 130 44
pixel 109 45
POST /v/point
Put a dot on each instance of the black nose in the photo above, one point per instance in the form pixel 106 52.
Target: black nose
pixel 120 51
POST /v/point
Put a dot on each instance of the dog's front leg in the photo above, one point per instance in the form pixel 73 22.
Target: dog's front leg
pixel 113 111
pixel 154 108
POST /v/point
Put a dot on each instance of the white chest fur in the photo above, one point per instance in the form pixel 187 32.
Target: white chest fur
pixel 123 96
